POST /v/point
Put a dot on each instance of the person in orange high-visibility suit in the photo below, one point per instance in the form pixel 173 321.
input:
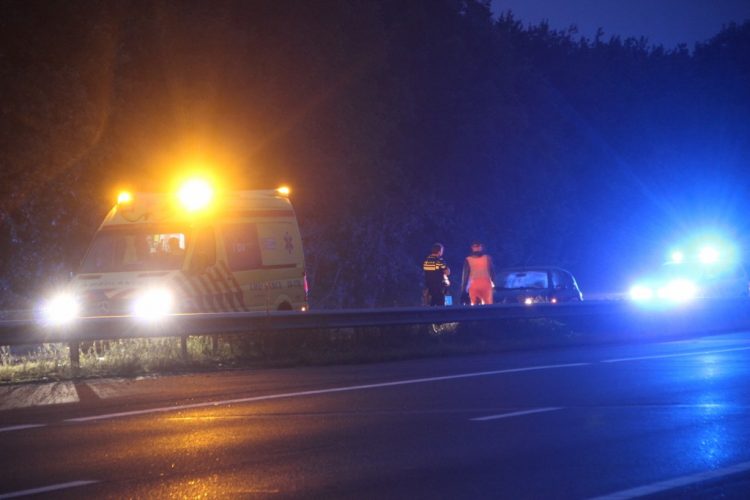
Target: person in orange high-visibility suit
pixel 478 275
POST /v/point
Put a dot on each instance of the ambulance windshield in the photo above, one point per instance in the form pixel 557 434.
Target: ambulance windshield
pixel 136 249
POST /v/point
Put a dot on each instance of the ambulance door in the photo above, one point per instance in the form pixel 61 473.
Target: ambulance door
pixel 244 264
pixel 201 285
pixel 265 260
pixel 283 258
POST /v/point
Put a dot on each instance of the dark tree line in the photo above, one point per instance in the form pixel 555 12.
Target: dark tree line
pixel 397 123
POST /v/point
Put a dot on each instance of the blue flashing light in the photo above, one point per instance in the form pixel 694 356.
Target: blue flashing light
pixel 678 290
pixel 709 255
pixel 641 293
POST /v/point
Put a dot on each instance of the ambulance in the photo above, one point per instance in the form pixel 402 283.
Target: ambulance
pixel 192 251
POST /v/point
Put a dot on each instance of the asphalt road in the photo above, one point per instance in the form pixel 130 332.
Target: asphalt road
pixel 665 419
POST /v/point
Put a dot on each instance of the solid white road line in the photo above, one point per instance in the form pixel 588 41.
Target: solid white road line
pixel 318 392
pixel 46 489
pixel 679 482
pixel 21 427
pixel 676 355
pixel 208 404
pixel 516 414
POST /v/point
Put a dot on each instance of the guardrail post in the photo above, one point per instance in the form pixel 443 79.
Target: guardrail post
pixel 74 349
pixel 183 347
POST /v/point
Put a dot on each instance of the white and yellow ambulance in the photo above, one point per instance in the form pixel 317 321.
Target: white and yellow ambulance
pixel 192 251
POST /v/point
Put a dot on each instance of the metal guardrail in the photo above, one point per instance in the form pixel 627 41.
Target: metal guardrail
pixel 700 316
pixel 27 331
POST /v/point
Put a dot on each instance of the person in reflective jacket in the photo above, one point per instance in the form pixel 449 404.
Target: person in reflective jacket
pixel 478 275
pixel 436 273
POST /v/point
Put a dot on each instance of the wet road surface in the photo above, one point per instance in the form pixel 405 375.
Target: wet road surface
pixel 665 419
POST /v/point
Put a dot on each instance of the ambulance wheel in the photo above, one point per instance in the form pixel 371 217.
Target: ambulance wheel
pixel 285 306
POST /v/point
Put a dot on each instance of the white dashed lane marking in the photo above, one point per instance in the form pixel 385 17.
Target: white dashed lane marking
pixel 675 355
pixel 515 414
pixel 12 428
pixel 671 484
pixel 317 392
pixel 46 489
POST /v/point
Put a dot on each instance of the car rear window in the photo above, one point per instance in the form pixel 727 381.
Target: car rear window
pixel 522 279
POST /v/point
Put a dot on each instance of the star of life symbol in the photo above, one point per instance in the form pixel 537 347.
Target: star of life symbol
pixel 288 243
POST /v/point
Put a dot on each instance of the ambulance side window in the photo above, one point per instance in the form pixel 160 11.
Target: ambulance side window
pixel 204 254
pixel 243 251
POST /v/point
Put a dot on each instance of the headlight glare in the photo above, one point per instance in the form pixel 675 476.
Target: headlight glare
pixel 61 309
pixel 153 304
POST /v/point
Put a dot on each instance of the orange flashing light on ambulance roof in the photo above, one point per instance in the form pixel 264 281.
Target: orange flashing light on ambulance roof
pixel 124 197
pixel 195 194
pixel 284 190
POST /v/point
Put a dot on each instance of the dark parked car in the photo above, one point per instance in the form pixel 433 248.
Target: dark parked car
pixel 531 285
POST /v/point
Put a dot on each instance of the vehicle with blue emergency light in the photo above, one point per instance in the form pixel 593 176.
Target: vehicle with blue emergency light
pixel 708 271
pixel 191 251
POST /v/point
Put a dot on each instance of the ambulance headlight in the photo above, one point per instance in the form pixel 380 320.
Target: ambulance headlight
pixel 61 309
pixel 678 290
pixel 153 304
pixel 641 293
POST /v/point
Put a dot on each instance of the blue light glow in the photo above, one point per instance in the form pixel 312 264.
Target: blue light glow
pixel 709 255
pixel 678 257
pixel 678 290
pixel 641 293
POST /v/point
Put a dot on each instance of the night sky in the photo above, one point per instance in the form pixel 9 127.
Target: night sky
pixel 665 22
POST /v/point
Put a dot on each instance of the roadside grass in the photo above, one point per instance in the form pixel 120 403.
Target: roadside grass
pixel 126 358
pixel 135 357
pixel 47 361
